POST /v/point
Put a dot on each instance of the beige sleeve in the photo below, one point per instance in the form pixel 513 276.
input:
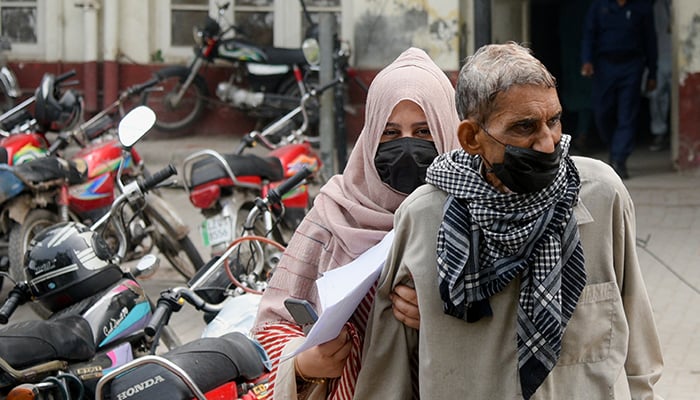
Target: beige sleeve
pixel 644 357
pixel 388 345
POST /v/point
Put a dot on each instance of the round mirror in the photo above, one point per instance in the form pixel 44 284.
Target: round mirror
pixel 135 124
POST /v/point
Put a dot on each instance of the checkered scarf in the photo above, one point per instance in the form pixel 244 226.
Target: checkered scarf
pixel 488 238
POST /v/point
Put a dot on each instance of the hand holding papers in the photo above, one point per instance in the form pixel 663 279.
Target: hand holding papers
pixel 341 290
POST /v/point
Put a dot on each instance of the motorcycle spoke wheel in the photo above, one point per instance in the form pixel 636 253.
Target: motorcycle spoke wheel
pixel 175 117
pixel 252 258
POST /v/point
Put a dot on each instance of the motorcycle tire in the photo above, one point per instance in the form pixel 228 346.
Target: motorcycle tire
pixel 190 108
pixel 181 253
pixel 20 236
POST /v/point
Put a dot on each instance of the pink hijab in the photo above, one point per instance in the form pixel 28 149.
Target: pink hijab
pixel 353 211
pixel 357 206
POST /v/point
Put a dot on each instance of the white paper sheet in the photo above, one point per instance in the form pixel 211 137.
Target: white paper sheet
pixel 341 290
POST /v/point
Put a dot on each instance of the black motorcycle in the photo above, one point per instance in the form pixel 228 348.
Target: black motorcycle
pixel 262 83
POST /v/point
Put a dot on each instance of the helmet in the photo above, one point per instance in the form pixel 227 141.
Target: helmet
pixel 51 113
pixel 68 262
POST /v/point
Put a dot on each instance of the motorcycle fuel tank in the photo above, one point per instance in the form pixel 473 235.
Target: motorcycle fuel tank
pixel 122 311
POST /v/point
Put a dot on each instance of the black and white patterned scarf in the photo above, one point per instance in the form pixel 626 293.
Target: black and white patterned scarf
pixel 488 238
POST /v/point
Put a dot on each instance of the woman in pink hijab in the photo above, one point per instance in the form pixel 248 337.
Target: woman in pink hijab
pixel 410 118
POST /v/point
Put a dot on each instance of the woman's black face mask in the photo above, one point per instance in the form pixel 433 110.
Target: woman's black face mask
pixel 401 163
pixel 525 170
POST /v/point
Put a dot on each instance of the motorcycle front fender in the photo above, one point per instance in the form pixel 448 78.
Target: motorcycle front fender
pixel 8 82
pixel 166 212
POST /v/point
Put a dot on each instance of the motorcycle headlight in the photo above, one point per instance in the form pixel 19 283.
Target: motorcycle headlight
pixel 198 36
pixel 311 51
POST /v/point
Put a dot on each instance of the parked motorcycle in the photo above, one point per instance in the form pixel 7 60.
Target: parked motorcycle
pixel 9 88
pixel 225 186
pixel 22 136
pixel 98 310
pixel 262 82
pixel 228 367
pixel 211 367
pixel 36 204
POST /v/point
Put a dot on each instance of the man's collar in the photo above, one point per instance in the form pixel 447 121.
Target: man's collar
pixel 583 216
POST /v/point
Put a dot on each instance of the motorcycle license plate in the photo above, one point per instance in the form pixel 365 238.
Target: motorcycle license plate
pixel 216 230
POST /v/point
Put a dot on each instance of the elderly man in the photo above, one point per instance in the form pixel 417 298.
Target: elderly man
pixel 523 259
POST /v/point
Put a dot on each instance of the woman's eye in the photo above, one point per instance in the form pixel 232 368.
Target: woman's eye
pixel 423 132
pixel 390 132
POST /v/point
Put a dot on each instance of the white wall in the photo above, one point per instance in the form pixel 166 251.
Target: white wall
pixel 686 37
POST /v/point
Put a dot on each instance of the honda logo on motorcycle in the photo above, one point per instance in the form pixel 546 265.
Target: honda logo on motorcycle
pixel 139 387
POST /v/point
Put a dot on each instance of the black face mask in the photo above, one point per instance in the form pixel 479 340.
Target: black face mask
pixel 401 163
pixel 525 170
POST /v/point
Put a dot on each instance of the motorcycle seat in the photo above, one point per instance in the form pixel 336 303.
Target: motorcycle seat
pixel 284 56
pixel 210 169
pixel 27 343
pixel 209 363
pixel 47 169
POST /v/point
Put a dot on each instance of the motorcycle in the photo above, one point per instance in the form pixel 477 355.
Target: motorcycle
pixel 23 137
pixel 262 82
pixel 32 207
pixel 98 310
pixel 9 88
pixel 199 369
pixel 225 186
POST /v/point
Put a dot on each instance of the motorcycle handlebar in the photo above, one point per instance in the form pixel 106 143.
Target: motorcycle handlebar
pixel 65 76
pixel 275 194
pixel 138 88
pixel 14 299
pixel 158 177
pixel 160 317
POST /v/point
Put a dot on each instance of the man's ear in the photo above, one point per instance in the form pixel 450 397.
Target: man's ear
pixel 466 132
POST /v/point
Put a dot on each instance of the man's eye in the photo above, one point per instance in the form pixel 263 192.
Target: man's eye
pixel 554 121
pixel 525 128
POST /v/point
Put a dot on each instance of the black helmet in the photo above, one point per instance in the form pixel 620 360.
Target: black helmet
pixel 68 262
pixel 51 113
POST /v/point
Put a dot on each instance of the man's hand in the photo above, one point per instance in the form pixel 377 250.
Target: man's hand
pixel 587 69
pixel 326 360
pixel 405 306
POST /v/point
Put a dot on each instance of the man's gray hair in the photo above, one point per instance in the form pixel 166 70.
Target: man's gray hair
pixel 492 69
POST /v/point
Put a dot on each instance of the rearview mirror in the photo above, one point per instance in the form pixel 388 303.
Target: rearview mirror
pixel 135 124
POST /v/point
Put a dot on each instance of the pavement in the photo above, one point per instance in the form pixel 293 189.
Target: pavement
pixel 668 229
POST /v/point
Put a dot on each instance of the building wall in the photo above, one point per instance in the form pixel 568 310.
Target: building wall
pixel 686 41
pixel 115 43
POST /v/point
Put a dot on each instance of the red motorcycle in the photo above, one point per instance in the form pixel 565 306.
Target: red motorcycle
pixel 225 186
pixel 229 366
pixel 23 136
pixel 155 223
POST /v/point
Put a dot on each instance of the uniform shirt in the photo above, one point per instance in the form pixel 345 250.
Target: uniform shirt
pixel 610 349
pixel 620 33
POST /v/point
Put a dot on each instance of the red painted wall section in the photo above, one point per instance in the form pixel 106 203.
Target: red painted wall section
pixel 689 122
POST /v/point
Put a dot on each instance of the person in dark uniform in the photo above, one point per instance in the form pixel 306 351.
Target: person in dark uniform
pixel 619 42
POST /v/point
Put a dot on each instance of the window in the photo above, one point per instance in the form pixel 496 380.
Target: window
pixel 185 14
pixel 255 19
pixel 19 21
